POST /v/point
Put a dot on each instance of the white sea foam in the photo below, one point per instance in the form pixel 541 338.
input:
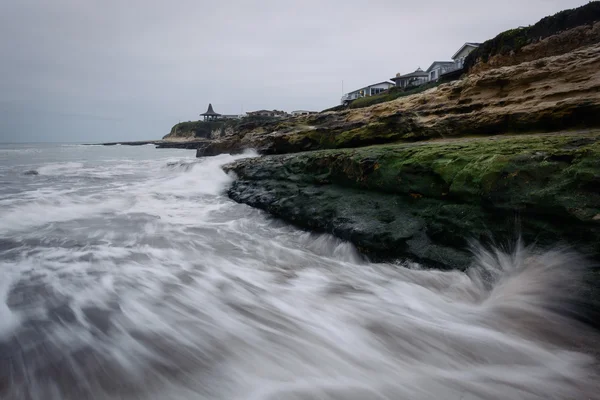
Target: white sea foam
pixel 60 168
pixel 159 287
pixel 57 209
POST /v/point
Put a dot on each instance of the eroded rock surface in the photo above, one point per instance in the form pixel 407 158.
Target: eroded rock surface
pixel 425 201
pixel 548 94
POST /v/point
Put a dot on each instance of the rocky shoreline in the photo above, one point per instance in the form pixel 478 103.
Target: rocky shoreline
pixel 160 144
pixel 425 201
pixel 510 150
pixel 419 177
pixel 547 95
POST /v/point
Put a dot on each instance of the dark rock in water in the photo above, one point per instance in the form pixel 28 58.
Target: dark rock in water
pixel 135 143
pixel 382 226
pixel 31 172
pixel 191 145
pixel 217 147
pixel 163 144
pixel 425 201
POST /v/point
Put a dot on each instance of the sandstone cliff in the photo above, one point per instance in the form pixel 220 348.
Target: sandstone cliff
pixel 511 149
pixel 558 44
pixel 548 94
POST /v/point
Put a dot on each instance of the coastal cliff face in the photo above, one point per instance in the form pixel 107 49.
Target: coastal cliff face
pixel 548 94
pixel 554 45
pixel 201 130
pixel 512 149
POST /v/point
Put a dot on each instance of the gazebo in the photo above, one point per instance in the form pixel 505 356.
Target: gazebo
pixel 210 114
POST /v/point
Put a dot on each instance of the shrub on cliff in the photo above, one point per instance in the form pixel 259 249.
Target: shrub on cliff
pixel 341 107
pixel 389 95
pixel 515 39
pixel 254 121
pixel 198 129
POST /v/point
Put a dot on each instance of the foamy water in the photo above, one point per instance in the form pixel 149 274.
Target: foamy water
pixel 128 274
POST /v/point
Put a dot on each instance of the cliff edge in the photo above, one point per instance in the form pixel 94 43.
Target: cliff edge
pixel 511 149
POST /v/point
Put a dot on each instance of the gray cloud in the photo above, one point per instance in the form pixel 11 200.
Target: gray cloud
pixel 92 70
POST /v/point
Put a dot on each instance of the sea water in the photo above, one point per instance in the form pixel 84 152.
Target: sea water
pixel 127 273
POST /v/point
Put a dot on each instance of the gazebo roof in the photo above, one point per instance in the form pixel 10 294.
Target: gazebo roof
pixel 210 111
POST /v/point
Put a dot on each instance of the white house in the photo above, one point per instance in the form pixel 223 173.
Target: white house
pixel 367 91
pixel 462 53
pixel 438 68
pixel 302 112
pixel 413 79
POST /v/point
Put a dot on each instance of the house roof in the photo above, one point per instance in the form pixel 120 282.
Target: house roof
pixel 374 84
pixel 418 73
pixel 210 111
pixel 266 111
pixel 259 111
pixel 379 83
pixel 472 44
pixel 439 62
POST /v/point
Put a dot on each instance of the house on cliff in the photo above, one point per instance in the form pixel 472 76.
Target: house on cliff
pixel 438 68
pixel 413 79
pixel 302 112
pixel 366 91
pixel 462 53
pixel 267 113
pixel 458 59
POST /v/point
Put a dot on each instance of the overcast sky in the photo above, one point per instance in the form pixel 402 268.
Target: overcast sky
pixel 101 70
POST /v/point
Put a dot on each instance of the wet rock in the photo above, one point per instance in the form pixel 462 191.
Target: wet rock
pixel 425 201
pixel 31 172
pixel 352 215
pixel 190 145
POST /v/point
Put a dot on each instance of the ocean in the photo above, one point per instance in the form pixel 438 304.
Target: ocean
pixel 127 273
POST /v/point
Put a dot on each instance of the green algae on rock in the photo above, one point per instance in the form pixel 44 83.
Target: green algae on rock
pixel 425 200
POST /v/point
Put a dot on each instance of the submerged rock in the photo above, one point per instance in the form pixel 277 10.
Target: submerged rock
pixel 425 201
pixel 31 172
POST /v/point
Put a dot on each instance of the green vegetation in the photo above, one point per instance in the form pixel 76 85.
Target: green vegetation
pixel 424 200
pixel 219 128
pixel 208 129
pixel 389 95
pixel 254 121
pixel 392 94
pixel 515 39
pixel 554 172
pixel 196 129
pixel 459 121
